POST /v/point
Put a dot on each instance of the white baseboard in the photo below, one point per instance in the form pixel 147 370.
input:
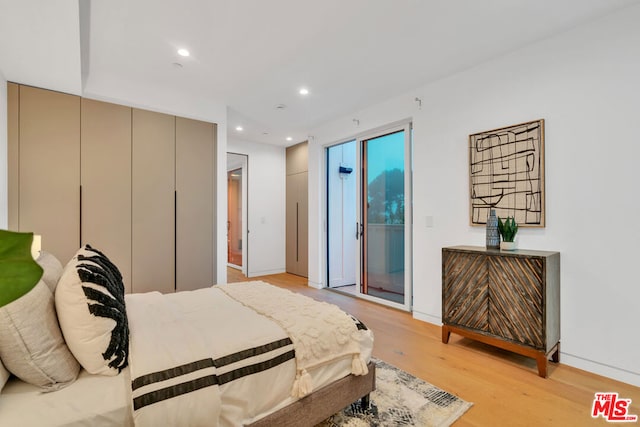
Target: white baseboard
pixel 264 272
pixel 598 368
pixel 316 285
pixel 436 320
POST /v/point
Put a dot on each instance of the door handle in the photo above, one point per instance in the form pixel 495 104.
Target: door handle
pixel 357 231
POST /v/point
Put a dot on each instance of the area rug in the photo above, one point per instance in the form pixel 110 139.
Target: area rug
pixel 400 399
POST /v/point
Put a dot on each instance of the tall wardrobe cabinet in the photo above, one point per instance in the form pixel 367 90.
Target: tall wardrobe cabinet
pixel 297 193
pixel 136 184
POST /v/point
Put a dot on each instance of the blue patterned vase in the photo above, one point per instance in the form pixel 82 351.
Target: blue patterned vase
pixel 493 236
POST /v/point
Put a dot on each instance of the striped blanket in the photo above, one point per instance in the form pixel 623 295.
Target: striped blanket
pixel 203 358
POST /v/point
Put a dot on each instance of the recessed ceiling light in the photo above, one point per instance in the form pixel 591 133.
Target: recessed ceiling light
pixel 183 52
pixel 289 138
pixel 303 91
pixel 239 128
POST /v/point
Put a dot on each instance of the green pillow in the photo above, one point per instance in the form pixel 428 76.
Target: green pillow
pixel 19 273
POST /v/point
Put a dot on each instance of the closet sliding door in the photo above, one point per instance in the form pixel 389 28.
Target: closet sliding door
pixel 106 181
pixel 153 202
pixel 49 169
pixel 195 146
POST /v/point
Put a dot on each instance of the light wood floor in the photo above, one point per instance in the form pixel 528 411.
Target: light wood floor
pixel 504 387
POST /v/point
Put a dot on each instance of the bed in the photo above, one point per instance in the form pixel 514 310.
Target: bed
pixel 229 355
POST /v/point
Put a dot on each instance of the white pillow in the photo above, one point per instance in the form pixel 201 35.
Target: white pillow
pixel 90 305
pixel 52 269
pixel 31 344
pixel 4 375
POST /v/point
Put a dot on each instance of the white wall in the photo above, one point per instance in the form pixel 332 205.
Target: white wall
pixel 4 196
pixel 585 84
pixel 267 183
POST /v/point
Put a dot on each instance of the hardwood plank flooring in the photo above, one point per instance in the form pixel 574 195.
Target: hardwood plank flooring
pixel 504 387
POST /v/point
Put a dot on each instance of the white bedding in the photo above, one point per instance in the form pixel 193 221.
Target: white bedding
pixel 229 326
pixel 92 400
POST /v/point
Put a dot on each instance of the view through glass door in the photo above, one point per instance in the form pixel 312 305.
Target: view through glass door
pixel 369 217
pixel 383 217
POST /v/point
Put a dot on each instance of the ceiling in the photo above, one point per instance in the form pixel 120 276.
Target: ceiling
pixel 253 55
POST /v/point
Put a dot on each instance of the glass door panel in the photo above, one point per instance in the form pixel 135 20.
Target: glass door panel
pixel 383 217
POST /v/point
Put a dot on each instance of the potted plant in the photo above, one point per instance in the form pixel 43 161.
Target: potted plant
pixel 508 230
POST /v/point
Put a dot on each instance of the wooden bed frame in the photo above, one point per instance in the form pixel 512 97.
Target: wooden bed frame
pixel 321 404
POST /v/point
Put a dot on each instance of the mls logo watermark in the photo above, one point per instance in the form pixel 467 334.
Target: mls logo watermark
pixel 612 408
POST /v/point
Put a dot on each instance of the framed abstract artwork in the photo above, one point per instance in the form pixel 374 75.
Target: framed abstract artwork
pixel 506 173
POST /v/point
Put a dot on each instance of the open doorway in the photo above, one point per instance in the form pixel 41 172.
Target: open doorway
pixel 237 212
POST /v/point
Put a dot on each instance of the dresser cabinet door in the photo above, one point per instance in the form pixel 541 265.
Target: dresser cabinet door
pixel 516 299
pixel 465 290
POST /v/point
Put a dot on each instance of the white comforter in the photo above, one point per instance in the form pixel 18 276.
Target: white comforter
pixel 203 358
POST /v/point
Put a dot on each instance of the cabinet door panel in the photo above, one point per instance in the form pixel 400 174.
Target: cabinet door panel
pixel 296 227
pixel 303 229
pixel 49 169
pixel 292 212
pixel 194 209
pixel 153 202
pixel 465 290
pixel 13 157
pixel 515 299
pixel 106 181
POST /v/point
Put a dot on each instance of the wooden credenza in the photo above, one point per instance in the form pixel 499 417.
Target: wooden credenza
pixel 508 299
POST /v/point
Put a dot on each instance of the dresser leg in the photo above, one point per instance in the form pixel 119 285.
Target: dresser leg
pixel 446 333
pixel 541 360
pixel 555 357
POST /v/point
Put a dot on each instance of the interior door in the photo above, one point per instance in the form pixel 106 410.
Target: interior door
pixel 238 212
pixel 234 217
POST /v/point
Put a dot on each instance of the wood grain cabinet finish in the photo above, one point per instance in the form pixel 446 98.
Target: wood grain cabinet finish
pixel 509 299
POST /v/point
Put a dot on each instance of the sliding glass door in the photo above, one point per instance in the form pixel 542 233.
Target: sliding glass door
pixel 369 216
pixel 383 217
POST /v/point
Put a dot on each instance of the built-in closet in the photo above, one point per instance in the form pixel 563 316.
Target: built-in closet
pixel 137 184
pixel 297 234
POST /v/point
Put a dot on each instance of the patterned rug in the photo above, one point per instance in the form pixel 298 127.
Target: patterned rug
pixel 401 399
